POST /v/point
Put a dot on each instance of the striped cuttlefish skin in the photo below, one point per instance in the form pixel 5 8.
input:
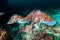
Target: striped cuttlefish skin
pixel 37 16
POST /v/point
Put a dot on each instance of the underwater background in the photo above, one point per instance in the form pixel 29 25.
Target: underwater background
pixel 23 8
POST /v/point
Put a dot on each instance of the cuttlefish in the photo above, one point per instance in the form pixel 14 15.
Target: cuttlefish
pixel 36 16
pixel 39 17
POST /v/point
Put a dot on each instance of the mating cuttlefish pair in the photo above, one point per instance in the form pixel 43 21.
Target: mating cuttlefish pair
pixel 36 16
